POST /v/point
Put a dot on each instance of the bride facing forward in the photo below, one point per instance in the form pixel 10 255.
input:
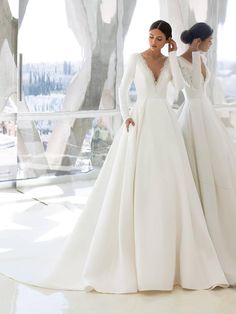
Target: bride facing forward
pixel 143 227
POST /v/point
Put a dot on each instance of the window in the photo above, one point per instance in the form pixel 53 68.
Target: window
pixel 226 54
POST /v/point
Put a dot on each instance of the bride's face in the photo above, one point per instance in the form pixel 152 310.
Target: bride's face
pixel 206 44
pixel 157 39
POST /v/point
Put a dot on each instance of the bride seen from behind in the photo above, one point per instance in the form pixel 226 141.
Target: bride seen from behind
pixel 210 150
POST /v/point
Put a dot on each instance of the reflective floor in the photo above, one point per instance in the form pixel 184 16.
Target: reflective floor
pixel 20 299
pixel 16 298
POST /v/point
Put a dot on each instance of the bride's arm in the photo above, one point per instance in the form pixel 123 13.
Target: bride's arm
pixel 196 75
pixel 177 77
pixel 127 79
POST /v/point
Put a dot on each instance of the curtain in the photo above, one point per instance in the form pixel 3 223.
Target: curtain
pixel 8 44
pixel 78 22
pixel 100 27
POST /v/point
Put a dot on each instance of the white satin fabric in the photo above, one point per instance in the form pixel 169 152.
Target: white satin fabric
pixel 143 227
pixel 213 162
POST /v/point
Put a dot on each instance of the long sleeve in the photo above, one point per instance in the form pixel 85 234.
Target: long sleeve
pixel 196 76
pixel 177 77
pixel 127 79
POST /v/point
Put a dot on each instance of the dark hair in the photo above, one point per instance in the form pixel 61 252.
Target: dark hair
pixel 163 26
pixel 198 30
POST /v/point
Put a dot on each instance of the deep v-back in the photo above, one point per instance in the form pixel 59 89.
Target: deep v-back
pixel 213 161
pixel 203 67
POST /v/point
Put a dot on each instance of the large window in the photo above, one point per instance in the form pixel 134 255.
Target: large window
pixel 51 55
pixel 226 54
pixel 65 118
pixel 70 68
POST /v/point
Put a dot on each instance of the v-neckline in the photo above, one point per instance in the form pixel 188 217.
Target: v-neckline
pixel 155 80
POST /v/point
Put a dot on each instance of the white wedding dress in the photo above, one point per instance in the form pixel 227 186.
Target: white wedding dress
pixel 143 227
pixel 213 162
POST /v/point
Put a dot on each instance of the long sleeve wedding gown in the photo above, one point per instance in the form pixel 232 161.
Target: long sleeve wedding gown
pixel 213 162
pixel 143 227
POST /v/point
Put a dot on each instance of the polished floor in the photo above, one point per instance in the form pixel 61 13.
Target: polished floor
pixel 16 298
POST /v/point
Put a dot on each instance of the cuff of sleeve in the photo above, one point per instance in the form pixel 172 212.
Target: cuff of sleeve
pixel 196 58
pixel 195 54
pixel 172 53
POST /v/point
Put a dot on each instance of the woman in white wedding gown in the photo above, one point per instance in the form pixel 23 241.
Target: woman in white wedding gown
pixel 211 154
pixel 143 227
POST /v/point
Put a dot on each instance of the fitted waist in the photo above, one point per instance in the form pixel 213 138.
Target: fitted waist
pixel 198 97
pixel 155 102
pixel 198 94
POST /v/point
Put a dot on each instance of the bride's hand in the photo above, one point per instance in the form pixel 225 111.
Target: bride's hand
pixel 172 46
pixel 128 122
pixel 195 44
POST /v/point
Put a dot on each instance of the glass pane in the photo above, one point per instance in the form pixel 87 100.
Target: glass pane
pixel 51 55
pixel 66 68
pixel 46 155
pixel 226 55
pixel 8 152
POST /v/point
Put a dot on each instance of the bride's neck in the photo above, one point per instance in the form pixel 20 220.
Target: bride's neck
pixel 154 54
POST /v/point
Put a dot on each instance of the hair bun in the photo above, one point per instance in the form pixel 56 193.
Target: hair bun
pixel 186 37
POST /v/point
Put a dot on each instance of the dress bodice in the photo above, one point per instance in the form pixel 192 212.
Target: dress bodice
pixel 195 83
pixel 138 71
pixel 145 81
